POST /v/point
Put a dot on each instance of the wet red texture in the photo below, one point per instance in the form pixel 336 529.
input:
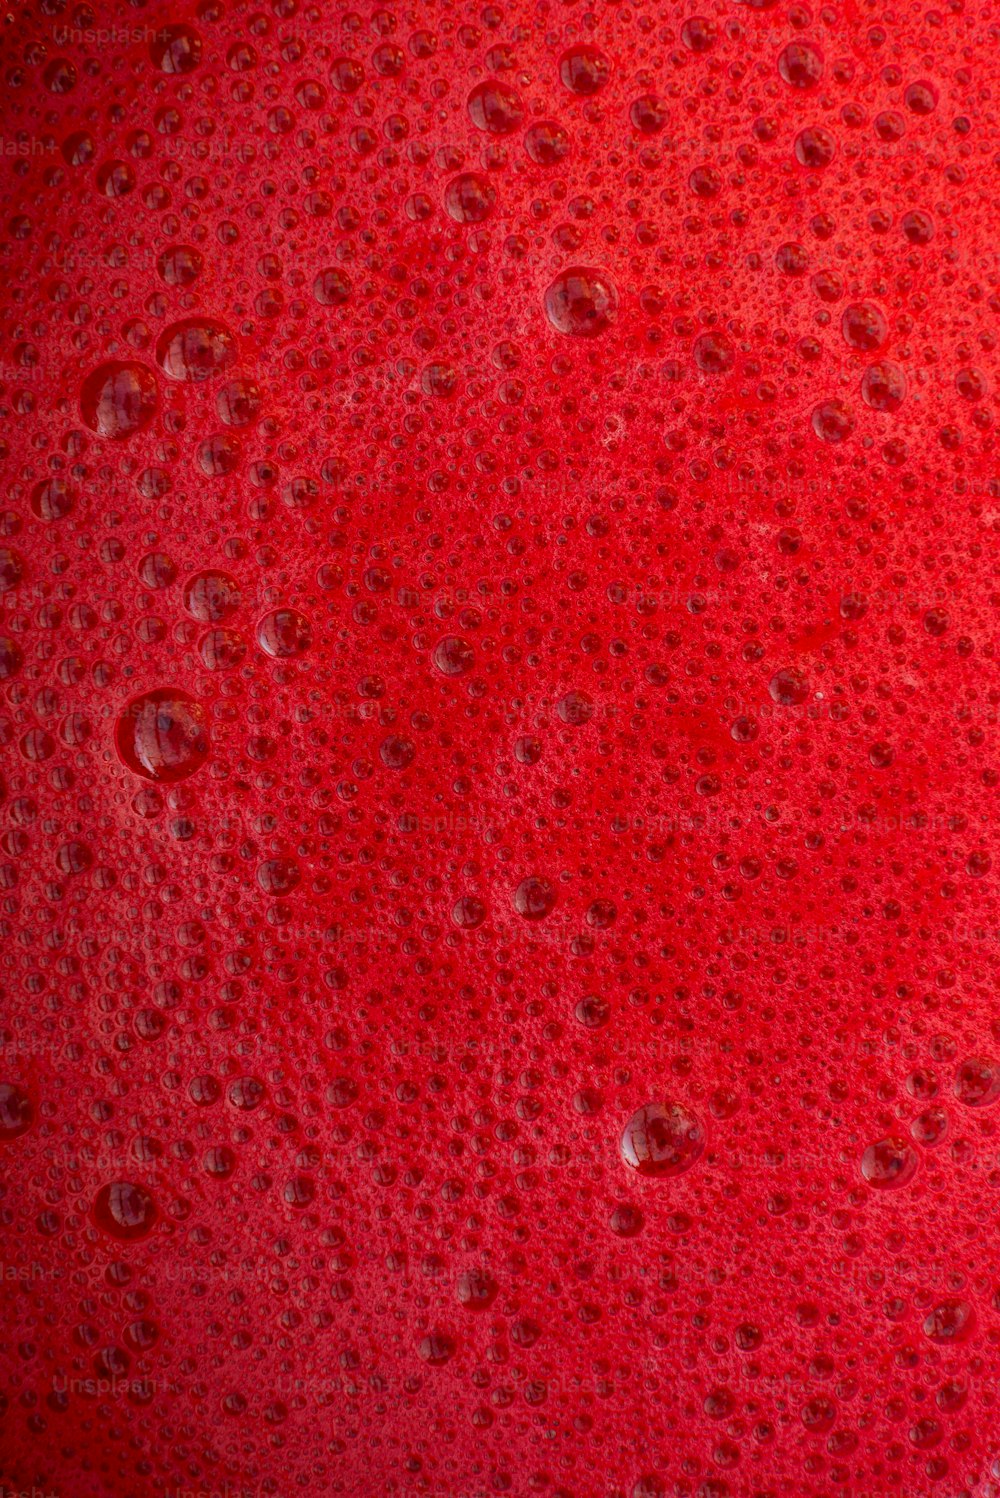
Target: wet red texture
pixel 498 613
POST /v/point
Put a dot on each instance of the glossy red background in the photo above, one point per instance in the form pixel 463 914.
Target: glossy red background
pixel 779 916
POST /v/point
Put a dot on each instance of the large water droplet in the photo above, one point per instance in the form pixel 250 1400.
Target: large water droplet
pixel 977 1082
pixel 788 687
pixel 195 350
pixel 11 569
pixel 949 1322
pixel 801 65
pixel 124 1210
pixel 534 898
pixel 495 107
pixel 210 596
pixel 175 49
pixel 469 198
pixel 889 1163
pixel 864 327
pixel 162 736
pixel 16 1112
pixel 454 656
pixel 584 70
pixel 662 1139
pixel 581 302
pixel 477 1289
pixel 284 634
pixel 118 399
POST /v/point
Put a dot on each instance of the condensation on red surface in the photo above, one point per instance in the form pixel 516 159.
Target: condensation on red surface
pixel 499 595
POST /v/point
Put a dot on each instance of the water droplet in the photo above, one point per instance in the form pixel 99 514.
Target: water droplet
pixel 454 656
pixel 162 735
pixel 118 399
pixel 495 107
pixel 468 913
pixel 581 302
pixel 662 1139
pixel 125 1211
pixel 832 421
pixel 397 752
pixel 788 687
pixel 284 634
pixel 713 354
pixel 626 1221
pixel 546 143
pixel 575 708
pixel 52 501
pixel 477 1290
pixel 11 569
pixel 469 198
pixel 918 227
pixel 883 387
pixel 11 657
pixel 436 1350
pixel 175 49
pixel 949 1322
pixel 195 350
pixel 977 1083
pixel 211 596
pixel 584 70
pixel 534 898
pixel 801 65
pixel 278 876
pixel 889 1163
pixel 864 326
pixel 815 147
pixel 332 287
pixel 16 1112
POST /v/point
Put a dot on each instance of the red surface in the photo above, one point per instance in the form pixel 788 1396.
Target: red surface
pixel 514 1012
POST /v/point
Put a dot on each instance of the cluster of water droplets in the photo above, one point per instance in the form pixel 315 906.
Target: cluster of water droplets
pixel 497 633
